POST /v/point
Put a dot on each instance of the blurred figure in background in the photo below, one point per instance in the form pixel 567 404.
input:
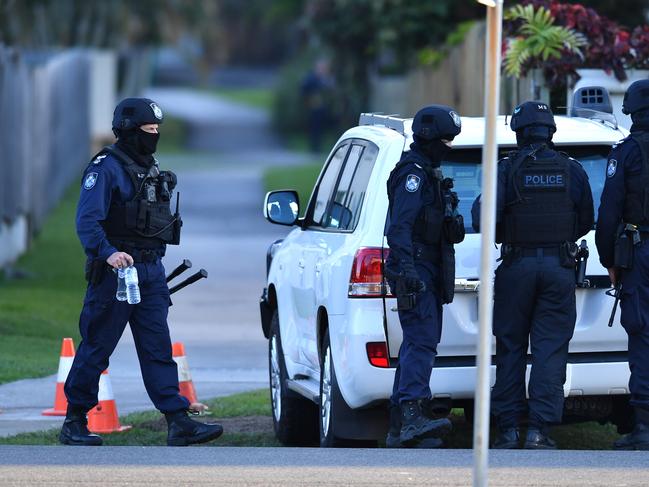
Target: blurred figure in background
pixel 316 86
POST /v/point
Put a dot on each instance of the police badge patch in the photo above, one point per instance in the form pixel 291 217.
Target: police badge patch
pixel 412 183
pixel 456 119
pixel 156 111
pixel 611 168
pixel 90 181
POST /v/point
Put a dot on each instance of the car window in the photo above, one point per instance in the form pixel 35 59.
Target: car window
pixel 344 210
pixel 464 166
pixel 356 194
pixel 327 183
pixel 339 215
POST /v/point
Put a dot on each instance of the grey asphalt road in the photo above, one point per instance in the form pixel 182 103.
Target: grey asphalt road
pixel 224 232
pixel 21 465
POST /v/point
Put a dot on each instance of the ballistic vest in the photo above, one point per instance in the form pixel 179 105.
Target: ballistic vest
pixel 145 221
pixel 636 203
pixel 542 212
pixel 428 225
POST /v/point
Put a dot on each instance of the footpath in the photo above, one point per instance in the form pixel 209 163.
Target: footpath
pixel 217 319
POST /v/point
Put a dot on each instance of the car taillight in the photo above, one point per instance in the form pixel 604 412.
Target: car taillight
pixel 377 353
pixel 366 279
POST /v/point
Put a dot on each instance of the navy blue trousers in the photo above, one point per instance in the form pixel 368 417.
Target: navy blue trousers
pixel 534 304
pixel 102 323
pixel 634 317
pixel 422 329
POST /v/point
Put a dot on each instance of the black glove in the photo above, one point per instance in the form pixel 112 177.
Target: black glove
pixel 411 280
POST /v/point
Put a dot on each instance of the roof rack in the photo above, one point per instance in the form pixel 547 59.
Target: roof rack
pixel 390 121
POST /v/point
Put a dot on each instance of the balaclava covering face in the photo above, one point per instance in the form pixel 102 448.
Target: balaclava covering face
pixel 640 121
pixel 434 149
pixel 138 144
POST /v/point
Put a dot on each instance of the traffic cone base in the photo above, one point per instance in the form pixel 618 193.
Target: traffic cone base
pixel 103 418
pixel 65 364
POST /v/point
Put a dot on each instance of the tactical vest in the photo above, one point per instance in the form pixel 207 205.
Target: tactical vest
pixel 145 221
pixel 543 212
pixel 428 225
pixel 636 203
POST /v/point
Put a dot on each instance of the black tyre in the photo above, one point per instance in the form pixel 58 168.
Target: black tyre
pixel 329 395
pixel 294 417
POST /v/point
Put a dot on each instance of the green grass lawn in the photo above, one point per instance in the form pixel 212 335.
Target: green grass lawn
pixel 37 311
pixel 247 421
pixel 245 418
pixel 254 97
pixel 300 178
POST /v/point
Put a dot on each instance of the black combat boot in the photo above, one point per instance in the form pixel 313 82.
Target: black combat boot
pixel 638 439
pixel 415 426
pixel 393 439
pixel 538 439
pixel 185 431
pixel 75 429
pixel 508 438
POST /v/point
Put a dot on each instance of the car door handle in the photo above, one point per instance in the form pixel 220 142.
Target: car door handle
pixel 318 267
pixel 300 264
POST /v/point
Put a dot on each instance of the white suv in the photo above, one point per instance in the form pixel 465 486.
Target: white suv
pixel 333 332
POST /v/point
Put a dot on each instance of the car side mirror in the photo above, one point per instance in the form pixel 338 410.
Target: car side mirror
pixel 282 207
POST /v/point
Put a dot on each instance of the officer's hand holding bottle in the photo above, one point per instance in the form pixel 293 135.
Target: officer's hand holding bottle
pixel 120 260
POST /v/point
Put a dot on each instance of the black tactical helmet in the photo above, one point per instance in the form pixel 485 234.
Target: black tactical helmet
pixel 436 122
pixel 532 113
pixel 131 113
pixel 636 97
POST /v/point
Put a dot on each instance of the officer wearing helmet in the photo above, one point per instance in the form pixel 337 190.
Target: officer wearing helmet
pixel 422 225
pixel 624 212
pixel 124 218
pixel 544 204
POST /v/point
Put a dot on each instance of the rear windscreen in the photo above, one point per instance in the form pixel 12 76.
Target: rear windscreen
pixel 464 166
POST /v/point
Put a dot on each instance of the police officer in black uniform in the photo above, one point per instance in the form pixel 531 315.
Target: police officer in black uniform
pixel 423 223
pixel 624 212
pixel 124 218
pixel 544 204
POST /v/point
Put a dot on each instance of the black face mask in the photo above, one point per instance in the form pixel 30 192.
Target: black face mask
pixel 434 149
pixel 146 143
pixel 129 142
pixel 640 121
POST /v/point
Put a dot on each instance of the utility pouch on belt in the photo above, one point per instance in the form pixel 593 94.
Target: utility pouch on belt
pixel 627 237
pixel 447 268
pixel 568 254
pixel 95 270
pixel 405 301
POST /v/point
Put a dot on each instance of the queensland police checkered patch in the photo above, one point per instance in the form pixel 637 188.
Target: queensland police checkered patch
pixel 611 168
pixel 412 183
pixel 90 181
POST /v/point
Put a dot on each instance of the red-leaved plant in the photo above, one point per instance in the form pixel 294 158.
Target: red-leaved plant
pixel 609 46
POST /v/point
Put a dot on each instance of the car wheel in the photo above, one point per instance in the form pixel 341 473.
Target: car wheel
pixel 294 417
pixel 329 394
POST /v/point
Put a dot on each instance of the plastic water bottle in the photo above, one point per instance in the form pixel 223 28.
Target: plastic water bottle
pixel 120 295
pixel 132 288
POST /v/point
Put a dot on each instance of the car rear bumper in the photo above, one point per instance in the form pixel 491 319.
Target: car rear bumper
pixel 363 385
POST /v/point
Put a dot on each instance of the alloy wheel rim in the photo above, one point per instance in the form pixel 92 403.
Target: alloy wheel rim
pixel 325 400
pixel 275 379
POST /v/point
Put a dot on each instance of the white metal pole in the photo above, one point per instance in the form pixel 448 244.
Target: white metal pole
pixel 488 229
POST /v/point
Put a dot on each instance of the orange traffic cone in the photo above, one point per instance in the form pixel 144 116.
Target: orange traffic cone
pixel 185 383
pixel 103 417
pixel 65 364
